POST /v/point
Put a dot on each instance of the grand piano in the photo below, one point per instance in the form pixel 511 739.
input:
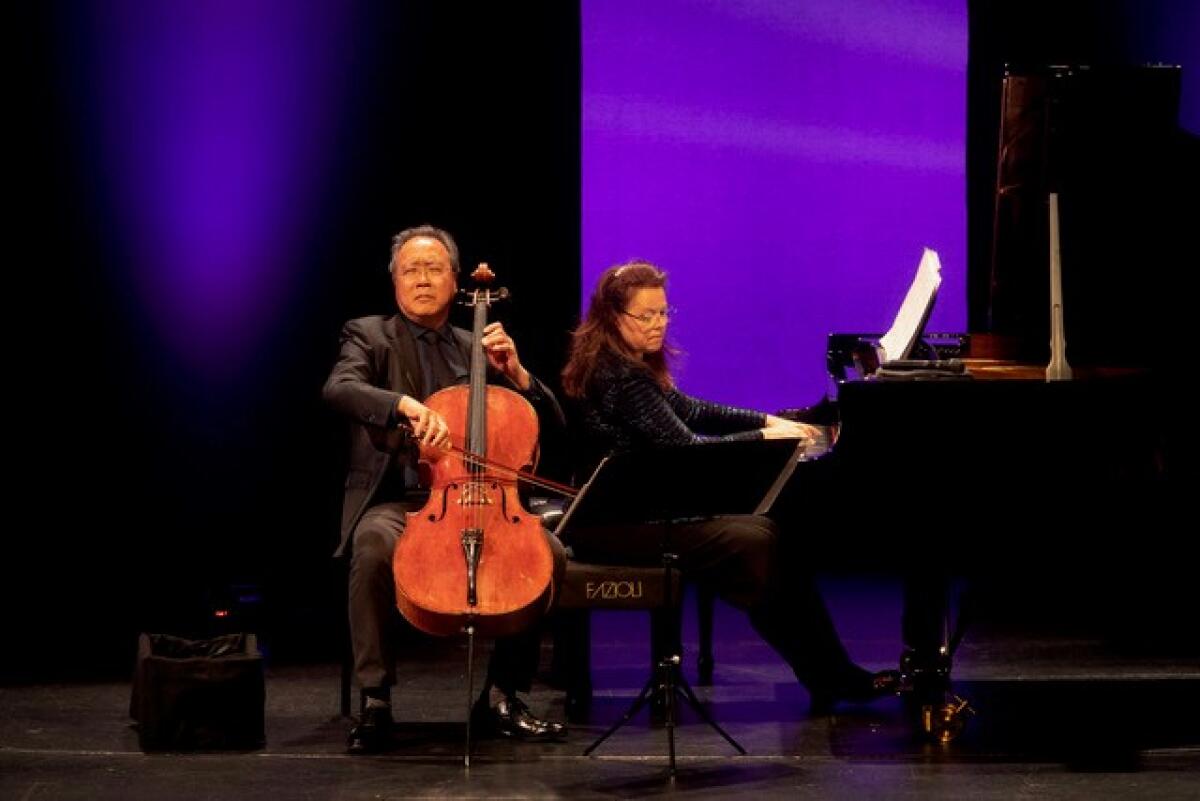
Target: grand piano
pixel 993 473
pixel 992 476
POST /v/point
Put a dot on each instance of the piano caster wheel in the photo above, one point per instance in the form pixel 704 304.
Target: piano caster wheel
pixel 943 723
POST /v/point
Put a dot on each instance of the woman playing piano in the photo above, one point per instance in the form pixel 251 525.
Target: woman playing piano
pixel 619 379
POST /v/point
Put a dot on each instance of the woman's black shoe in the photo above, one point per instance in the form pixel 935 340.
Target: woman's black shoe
pixel 861 689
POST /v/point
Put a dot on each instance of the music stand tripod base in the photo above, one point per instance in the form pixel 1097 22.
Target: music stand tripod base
pixel 725 478
pixel 666 681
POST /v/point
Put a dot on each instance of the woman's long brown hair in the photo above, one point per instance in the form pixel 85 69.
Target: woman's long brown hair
pixel 600 332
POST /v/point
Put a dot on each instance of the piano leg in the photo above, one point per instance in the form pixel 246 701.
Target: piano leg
pixel 925 629
pixel 927 657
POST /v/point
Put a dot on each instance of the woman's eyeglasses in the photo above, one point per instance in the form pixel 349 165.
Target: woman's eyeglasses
pixel 648 317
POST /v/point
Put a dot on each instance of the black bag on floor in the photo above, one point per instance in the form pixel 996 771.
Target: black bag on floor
pixel 198 694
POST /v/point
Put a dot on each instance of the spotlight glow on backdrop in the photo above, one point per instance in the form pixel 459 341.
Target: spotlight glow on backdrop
pixel 215 126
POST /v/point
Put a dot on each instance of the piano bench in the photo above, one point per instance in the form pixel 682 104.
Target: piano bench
pixel 587 587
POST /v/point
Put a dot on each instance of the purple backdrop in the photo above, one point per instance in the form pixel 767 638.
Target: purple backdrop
pixel 785 162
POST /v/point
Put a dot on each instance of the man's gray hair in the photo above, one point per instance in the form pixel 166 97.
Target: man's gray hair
pixel 428 231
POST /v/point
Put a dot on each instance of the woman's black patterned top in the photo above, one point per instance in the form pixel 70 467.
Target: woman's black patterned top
pixel 626 409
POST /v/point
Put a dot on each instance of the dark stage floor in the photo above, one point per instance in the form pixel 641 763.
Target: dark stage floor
pixel 1064 715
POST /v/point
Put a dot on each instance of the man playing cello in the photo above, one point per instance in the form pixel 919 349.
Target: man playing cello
pixel 386 367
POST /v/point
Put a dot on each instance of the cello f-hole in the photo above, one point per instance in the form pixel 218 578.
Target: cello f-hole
pixel 434 517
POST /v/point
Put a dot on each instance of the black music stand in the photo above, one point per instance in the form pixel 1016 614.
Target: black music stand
pixel 667 487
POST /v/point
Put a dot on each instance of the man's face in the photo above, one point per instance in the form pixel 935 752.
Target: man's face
pixel 425 281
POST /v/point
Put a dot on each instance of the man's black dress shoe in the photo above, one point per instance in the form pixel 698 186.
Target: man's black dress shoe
pixel 511 718
pixel 373 733
pixel 859 689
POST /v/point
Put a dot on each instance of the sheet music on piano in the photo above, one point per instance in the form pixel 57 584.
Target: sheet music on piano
pixel 897 344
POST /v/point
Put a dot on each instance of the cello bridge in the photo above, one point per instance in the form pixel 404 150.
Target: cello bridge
pixel 475 493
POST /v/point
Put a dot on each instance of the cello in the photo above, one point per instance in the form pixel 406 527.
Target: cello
pixel 473 559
